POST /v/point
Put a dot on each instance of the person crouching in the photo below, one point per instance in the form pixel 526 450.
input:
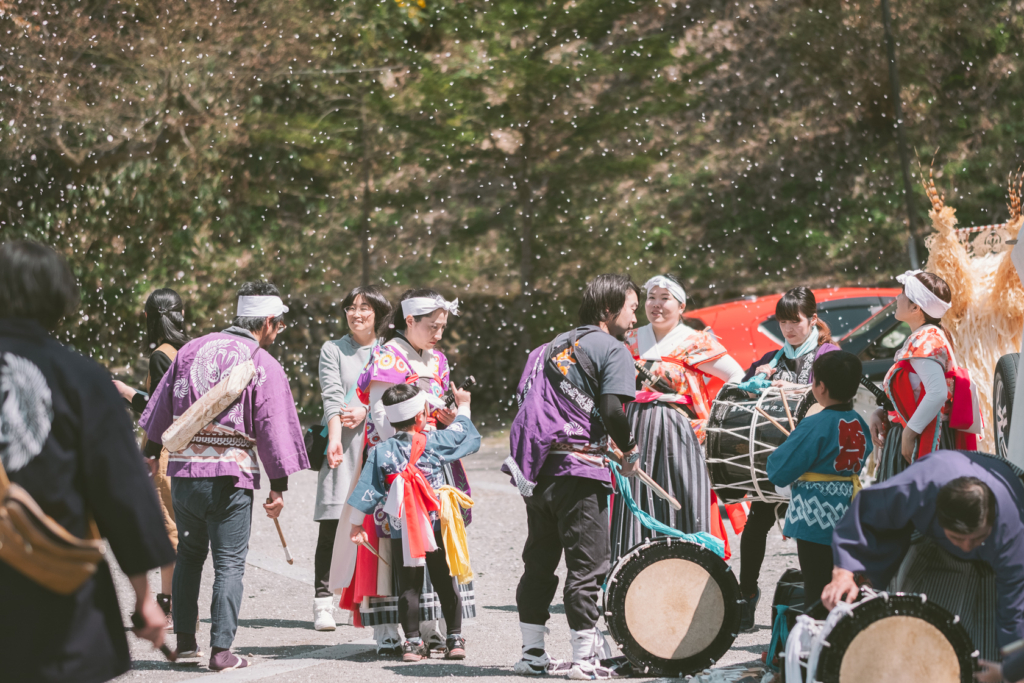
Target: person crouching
pixel 406 470
pixel 822 460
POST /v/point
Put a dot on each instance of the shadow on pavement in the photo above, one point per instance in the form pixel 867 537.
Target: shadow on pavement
pixel 440 670
pixel 555 609
pixel 271 623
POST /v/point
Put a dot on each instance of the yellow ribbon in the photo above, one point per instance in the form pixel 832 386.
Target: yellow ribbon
pixel 852 478
pixel 453 532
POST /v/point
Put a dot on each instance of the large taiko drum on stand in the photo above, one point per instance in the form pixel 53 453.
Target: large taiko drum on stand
pixel 740 439
pixel 672 606
pixel 884 638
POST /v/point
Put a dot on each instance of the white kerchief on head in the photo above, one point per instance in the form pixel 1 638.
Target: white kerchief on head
pixel 260 306
pixel 410 408
pixel 425 305
pixel 674 288
pixel 921 295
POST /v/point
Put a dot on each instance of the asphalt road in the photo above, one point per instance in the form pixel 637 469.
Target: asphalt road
pixel 276 633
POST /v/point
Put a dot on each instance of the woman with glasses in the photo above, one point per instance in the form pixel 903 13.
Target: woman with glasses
pixel 341 362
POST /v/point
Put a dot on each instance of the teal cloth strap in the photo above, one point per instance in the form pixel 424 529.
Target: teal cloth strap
pixel 780 634
pixel 703 538
pixel 758 383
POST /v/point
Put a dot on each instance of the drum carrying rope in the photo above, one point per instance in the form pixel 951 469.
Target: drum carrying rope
pixel 701 538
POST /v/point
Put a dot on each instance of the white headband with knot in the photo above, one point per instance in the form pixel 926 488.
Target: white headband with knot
pixel 424 305
pixel 674 288
pixel 410 408
pixel 916 291
pixel 260 306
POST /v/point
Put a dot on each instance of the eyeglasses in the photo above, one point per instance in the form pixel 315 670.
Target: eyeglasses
pixel 281 326
pixel 359 309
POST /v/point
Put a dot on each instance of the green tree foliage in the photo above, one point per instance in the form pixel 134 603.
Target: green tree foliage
pixel 504 152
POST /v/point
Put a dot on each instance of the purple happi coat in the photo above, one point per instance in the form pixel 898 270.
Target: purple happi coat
pixel 261 425
pixel 553 411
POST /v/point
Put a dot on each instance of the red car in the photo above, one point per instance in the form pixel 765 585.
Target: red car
pixel 748 329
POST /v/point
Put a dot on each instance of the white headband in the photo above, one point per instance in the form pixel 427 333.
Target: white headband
pixel 674 288
pixel 423 305
pixel 410 408
pixel 260 306
pixel 921 295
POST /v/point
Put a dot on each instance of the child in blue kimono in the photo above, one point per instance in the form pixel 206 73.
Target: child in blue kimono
pixel 821 460
pixel 405 471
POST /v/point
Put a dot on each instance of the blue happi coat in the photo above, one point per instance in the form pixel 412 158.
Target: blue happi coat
pixel 835 441
pixel 390 457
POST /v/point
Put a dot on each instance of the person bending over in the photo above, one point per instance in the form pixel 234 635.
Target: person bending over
pixel 967 508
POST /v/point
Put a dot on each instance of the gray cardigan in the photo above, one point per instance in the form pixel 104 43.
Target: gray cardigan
pixel 341 363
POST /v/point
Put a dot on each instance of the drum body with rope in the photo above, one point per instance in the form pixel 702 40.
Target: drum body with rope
pixel 740 439
pixel 884 638
pixel 672 606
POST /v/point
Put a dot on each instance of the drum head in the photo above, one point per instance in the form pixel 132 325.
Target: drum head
pixel 898 639
pixel 672 607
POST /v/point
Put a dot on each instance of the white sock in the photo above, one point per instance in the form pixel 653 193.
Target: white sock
pixel 589 645
pixel 386 634
pixel 533 636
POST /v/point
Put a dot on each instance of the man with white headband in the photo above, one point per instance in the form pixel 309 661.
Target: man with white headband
pixel 404 474
pixel 214 477
pixel 917 382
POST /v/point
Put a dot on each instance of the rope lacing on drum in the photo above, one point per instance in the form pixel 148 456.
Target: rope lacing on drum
pixel 701 538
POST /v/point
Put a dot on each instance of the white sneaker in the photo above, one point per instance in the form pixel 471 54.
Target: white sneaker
pixel 323 614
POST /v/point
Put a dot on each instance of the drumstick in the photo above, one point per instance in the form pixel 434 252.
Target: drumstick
pixel 660 492
pixel 370 548
pixel 772 420
pixel 785 404
pixel 284 544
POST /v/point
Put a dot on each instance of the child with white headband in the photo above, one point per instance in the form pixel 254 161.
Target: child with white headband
pixel 403 473
pixel 916 383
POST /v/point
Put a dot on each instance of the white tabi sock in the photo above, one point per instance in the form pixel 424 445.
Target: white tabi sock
pixel 533 636
pixel 589 645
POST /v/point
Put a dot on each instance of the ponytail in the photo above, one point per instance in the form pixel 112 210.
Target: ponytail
pixel 824 333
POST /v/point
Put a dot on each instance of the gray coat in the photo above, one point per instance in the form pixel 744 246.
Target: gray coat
pixel 341 362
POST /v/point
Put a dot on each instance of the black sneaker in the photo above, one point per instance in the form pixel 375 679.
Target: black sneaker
pixel 414 651
pixel 455 647
pixel 748 610
pixel 188 648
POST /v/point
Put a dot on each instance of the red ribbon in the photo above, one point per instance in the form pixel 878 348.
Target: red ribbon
pixel 419 499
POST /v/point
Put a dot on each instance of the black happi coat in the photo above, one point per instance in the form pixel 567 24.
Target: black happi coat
pixel 66 438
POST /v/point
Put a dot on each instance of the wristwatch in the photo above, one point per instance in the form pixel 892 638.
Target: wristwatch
pixel 633 455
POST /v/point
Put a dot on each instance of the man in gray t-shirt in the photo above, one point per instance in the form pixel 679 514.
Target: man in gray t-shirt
pixel 568 508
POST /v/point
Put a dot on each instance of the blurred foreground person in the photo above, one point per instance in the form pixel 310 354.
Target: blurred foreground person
pixel 213 477
pixel 571 420
pixel 165 334
pixel 66 441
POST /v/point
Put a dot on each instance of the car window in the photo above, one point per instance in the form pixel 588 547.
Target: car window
pixel 841 316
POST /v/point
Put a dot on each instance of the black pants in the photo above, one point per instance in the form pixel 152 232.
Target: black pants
pixel 322 559
pixel 816 566
pixel 410 583
pixel 570 514
pixel 753 541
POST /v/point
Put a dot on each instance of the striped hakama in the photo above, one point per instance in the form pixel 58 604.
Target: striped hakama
pixel 673 457
pixel 966 588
